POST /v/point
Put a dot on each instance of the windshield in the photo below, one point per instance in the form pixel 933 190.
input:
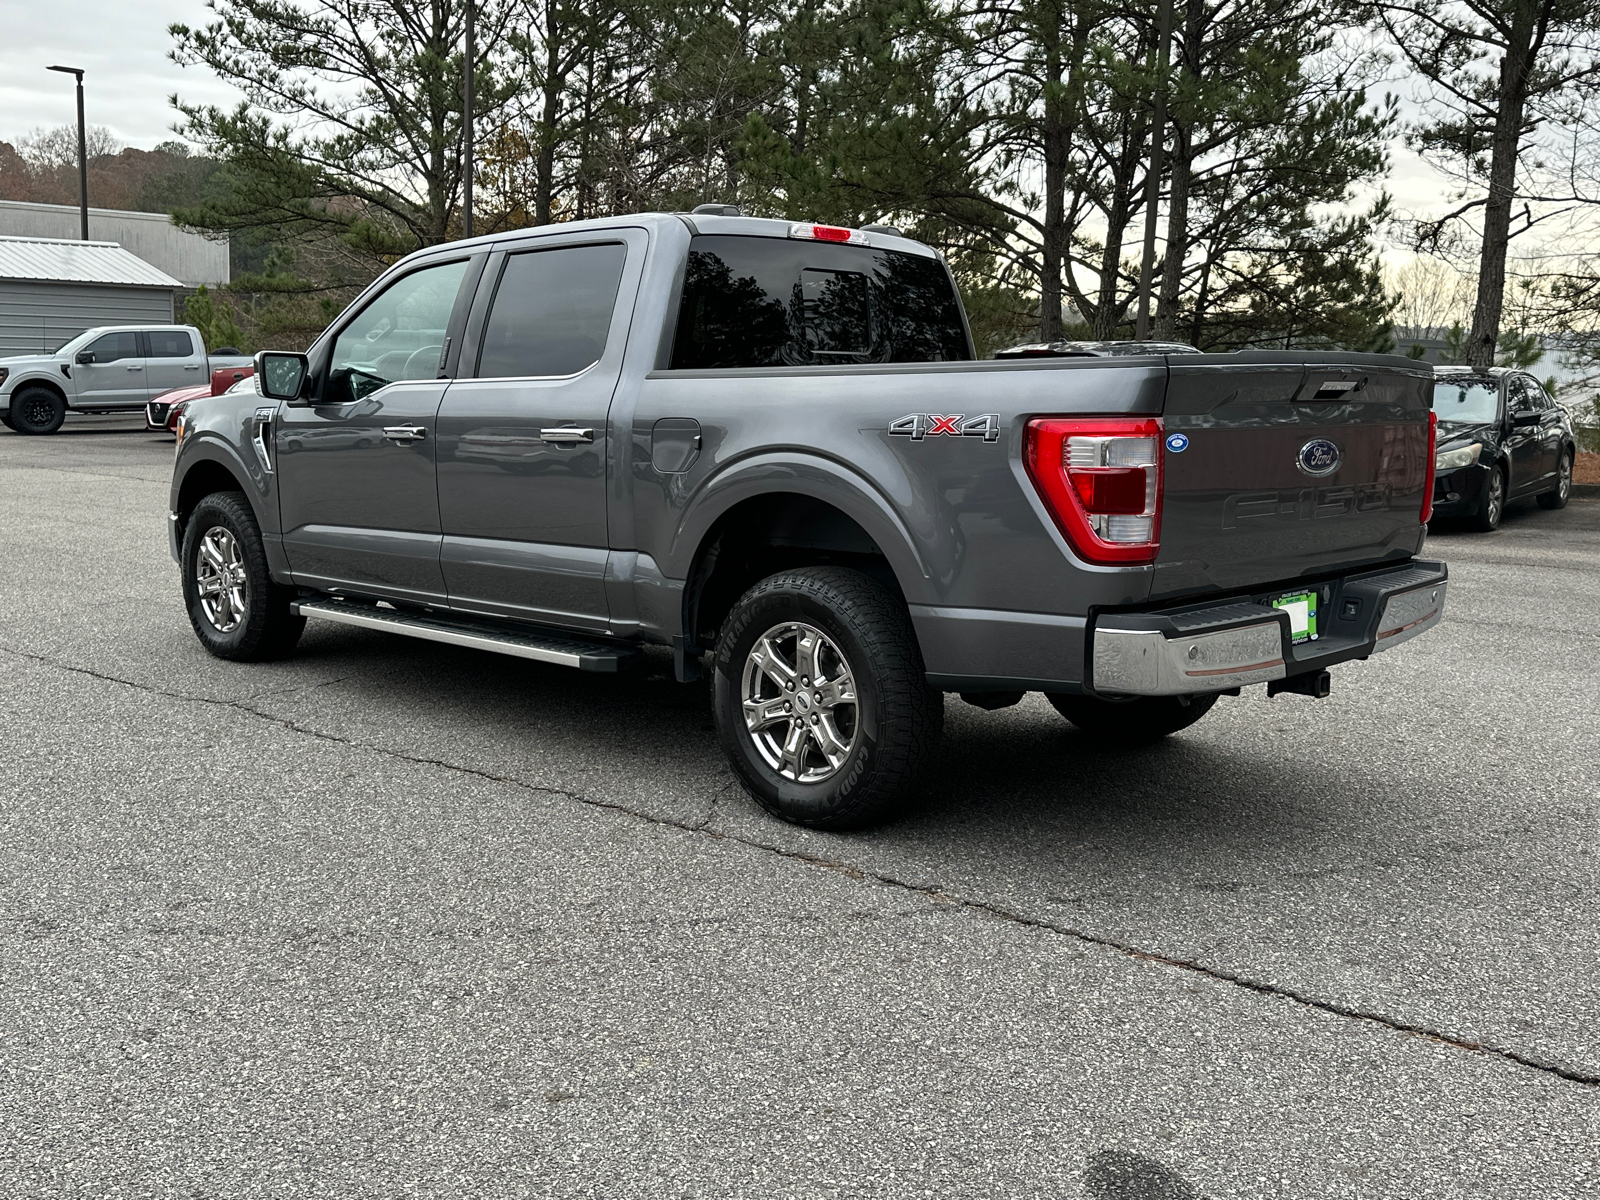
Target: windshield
pixel 1469 401
pixel 79 342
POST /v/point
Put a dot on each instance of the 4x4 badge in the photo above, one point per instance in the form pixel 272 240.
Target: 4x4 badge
pixel 917 426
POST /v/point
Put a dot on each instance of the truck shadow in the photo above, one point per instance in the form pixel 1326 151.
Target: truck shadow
pixel 1022 778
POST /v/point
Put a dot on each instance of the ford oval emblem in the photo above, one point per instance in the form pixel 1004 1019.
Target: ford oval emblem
pixel 1177 442
pixel 1319 456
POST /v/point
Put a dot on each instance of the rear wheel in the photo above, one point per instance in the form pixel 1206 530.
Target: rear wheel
pixel 821 702
pixel 1132 721
pixel 237 611
pixel 1487 518
pixel 37 410
pixel 1557 496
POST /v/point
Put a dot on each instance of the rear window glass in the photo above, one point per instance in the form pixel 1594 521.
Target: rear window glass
pixel 551 311
pixel 169 343
pixel 772 302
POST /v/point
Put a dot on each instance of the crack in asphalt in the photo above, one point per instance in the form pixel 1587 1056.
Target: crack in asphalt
pixel 935 894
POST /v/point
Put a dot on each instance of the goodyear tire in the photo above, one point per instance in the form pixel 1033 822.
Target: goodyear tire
pixel 36 410
pixel 237 611
pixel 821 700
pixel 1132 721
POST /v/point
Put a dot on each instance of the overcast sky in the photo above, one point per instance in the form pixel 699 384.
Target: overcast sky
pixel 122 46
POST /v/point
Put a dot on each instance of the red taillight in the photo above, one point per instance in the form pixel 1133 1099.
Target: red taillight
pixel 1101 479
pixel 1427 491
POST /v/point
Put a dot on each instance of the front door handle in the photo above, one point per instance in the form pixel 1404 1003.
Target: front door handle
pixel 566 436
pixel 136 368
pixel 404 433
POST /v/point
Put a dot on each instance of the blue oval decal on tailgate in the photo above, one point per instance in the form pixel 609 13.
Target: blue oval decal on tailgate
pixel 1319 456
pixel 1177 442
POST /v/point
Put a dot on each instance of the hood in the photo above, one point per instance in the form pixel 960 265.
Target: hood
pixel 21 362
pixel 1464 433
pixel 183 393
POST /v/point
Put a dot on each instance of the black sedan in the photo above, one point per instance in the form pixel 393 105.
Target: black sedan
pixel 1501 439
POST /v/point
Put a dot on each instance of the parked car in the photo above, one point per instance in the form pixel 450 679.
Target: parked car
pixel 1502 439
pixel 767 446
pixel 163 412
pixel 108 369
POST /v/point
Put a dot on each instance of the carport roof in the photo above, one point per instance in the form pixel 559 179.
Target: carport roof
pixel 61 261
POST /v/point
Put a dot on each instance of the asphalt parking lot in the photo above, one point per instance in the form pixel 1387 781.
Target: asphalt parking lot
pixel 396 919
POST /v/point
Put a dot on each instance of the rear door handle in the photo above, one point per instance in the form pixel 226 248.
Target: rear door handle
pixel 191 366
pixel 404 433
pixel 136 368
pixel 566 436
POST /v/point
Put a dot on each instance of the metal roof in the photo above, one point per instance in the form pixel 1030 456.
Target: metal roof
pixel 61 261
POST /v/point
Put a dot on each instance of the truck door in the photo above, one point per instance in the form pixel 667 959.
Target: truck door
pixel 523 431
pixel 114 376
pixel 172 360
pixel 356 487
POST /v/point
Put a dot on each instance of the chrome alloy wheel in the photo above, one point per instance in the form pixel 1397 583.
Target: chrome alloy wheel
pixel 800 705
pixel 1564 481
pixel 220 580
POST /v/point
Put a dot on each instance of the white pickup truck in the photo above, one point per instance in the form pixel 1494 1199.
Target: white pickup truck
pixel 108 369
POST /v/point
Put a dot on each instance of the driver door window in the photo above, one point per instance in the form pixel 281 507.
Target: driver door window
pixel 400 335
pixel 116 376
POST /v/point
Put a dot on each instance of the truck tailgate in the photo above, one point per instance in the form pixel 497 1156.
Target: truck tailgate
pixel 1296 464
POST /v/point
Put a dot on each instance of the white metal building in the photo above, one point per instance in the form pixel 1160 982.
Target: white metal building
pixel 182 253
pixel 51 290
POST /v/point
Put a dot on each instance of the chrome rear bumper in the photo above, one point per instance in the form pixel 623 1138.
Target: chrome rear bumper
pixel 1216 647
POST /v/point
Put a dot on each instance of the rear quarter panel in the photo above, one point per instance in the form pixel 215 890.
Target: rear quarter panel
pixel 974 551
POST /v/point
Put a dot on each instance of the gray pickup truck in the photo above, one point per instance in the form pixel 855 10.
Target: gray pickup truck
pixel 769 443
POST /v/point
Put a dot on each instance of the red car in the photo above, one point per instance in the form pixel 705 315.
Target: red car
pixel 162 413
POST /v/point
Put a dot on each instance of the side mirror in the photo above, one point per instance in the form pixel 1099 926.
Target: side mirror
pixel 1524 420
pixel 282 374
pixel 85 357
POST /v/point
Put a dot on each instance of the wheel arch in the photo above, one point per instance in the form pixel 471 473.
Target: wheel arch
pixel 201 478
pixel 40 381
pixel 769 524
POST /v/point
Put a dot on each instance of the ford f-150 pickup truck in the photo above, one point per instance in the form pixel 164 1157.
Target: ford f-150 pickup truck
pixel 108 369
pixel 768 444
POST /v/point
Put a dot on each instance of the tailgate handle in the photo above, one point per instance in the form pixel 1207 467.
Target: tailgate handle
pixel 1332 389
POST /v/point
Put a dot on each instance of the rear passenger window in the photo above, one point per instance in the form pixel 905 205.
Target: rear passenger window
pixel 170 343
pixel 551 311
pixel 772 302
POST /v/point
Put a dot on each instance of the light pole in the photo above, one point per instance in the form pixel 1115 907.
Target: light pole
pixel 466 129
pixel 83 153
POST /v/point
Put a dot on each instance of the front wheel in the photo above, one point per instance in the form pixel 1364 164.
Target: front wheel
pixel 36 410
pixel 822 705
pixel 1487 518
pixel 1557 496
pixel 1131 721
pixel 237 611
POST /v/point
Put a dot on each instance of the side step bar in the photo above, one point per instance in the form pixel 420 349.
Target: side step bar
pixel 437 627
